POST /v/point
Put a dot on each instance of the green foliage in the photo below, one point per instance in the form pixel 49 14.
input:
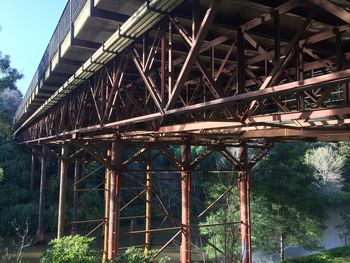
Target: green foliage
pixel 1 174
pixel 71 249
pixel 336 255
pixel 8 75
pixel 137 255
pixel 282 183
pixel 224 237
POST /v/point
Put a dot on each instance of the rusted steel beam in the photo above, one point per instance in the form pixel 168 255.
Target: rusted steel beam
pixel 95 154
pixel 156 96
pixel 216 89
pixel 281 64
pixel 333 9
pixel 148 201
pixel 169 156
pixel 204 155
pixel 185 249
pixel 280 133
pixel 308 84
pixel 106 212
pixel 132 200
pixel 77 175
pixel 243 183
pixel 240 63
pixel 216 201
pixel 114 200
pixel 162 67
pixel 170 60
pixel 324 35
pixel 88 175
pixel 229 157
pixel 210 82
pixel 166 244
pixel 284 8
pixel 257 46
pixel 134 157
pixel 40 234
pixel 62 192
pixel 277 33
pixel 116 84
pixel 193 53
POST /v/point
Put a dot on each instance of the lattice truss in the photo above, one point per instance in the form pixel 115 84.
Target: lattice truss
pixel 227 70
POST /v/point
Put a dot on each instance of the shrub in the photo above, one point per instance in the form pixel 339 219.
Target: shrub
pixel 336 255
pixel 71 249
pixel 137 255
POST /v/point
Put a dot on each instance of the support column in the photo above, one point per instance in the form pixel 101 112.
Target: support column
pixel 162 66
pixel 40 234
pixel 77 172
pixel 170 61
pixel 106 196
pixel 32 172
pixel 185 249
pixel 148 200
pixel 63 189
pixel 114 201
pixel 243 184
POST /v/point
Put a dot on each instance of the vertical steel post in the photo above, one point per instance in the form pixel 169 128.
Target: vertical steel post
pixel 145 49
pixel 114 200
pixel 106 196
pixel 196 8
pixel 300 74
pixel 40 234
pixel 162 66
pixel 277 33
pixel 243 183
pixel 63 188
pixel 240 62
pixel 185 249
pixel 340 63
pixel 170 61
pixel 148 200
pixel 77 172
pixel 58 168
pixel 32 172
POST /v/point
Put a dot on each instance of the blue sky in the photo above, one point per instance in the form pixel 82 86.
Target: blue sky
pixel 26 28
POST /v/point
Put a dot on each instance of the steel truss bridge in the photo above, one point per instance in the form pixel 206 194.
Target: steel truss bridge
pixel 145 75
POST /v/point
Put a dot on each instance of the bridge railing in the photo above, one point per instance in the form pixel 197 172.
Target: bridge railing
pixel 69 15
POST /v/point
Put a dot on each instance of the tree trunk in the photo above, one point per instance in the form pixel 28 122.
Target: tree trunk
pixel 40 235
pixel 282 246
pixel 32 173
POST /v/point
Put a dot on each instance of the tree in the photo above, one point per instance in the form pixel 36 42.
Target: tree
pixel 8 75
pixel 327 165
pixel 223 237
pixel 10 96
pixel 288 210
pixel 16 201
pixel 72 249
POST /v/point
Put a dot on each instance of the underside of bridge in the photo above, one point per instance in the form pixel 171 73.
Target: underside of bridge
pixel 136 78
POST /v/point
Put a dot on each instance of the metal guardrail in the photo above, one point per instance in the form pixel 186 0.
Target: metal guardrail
pixel 69 15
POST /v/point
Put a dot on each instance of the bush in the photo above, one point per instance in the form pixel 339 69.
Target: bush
pixel 137 255
pixel 71 249
pixel 336 255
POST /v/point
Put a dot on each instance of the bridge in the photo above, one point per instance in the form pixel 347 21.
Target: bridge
pixel 141 76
